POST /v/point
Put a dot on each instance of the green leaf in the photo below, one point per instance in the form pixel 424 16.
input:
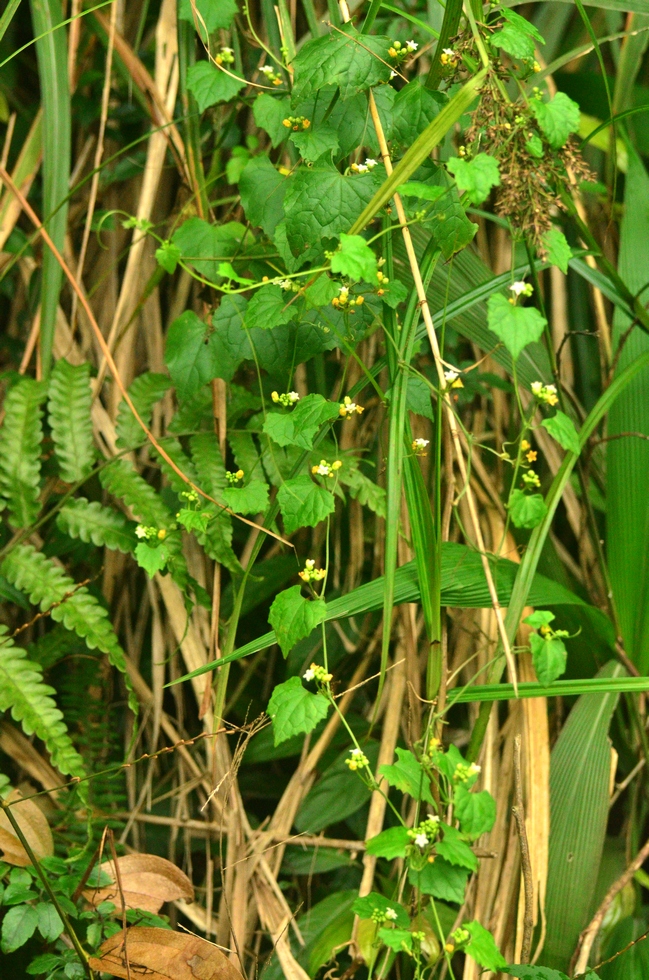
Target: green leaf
pixel 441 880
pixel 270 112
pixel 351 61
pixel 390 843
pixel 524 972
pixel 374 902
pixel 514 41
pixel 205 246
pixel 482 947
pixel 262 190
pixel 150 558
pixel 516 326
pixel 526 510
pixel 20 451
pixel 335 796
pixel 18 925
pixel 247 500
pixel 300 426
pixel 557 119
pixel 187 354
pixel 534 146
pixel 400 940
pixel 210 85
pixel 90 521
pixel 427 192
pixel 293 617
pixel 229 342
pixel 144 392
pixel 476 812
pixel 168 256
pixel 321 292
pixel 355 259
pixel 70 401
pixel 408 776
pixel 321 203
pixel 293 709
pixel 522 24
pixel 315 141
pixel 476 176
pixel 216 14
pixel 123 481
pixel 194 520
pixel 539 618
pixel 455 850
pixel 303 503
pixel 269 307
pixel 414 108
pixel 449 225
pixel 549 656
pixel 556 245
pixel 562 428
pixel 50 925
pixel 46 963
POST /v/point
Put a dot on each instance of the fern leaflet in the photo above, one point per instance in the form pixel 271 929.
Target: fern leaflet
pixel 20 451
pixel 208 462
pixel 144 392
pixel 103 526
pixel 70 403
pixel 23 690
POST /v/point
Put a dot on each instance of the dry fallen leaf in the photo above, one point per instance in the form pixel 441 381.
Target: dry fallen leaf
pixel 148 881
pixel 34 826
pixel 159 954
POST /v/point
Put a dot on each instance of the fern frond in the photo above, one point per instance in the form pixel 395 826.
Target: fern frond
pixel 144 393
pixel 47 584
pixel 23 691
pixel 20 451
pixel 122 480
pixel 208 462
pixel 105 527
pixel 175 451
pixel 69 406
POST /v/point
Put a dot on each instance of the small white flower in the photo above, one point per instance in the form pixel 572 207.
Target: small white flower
pixel 361 168
pixel 393 74
pixel 309 674
pixel 370 163
pixel 140 531
pixel 421 840
pixel 451 375
pixel 411 45
pixel 391 914
pixel 267 70
pixel 518 287
pixel 537 388
pixel 356 751
pixel 285 284
pixel 449 52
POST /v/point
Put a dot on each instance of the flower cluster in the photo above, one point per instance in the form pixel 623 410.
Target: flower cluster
pixel 288 399
pixel 457 938
pixel 463 772
pixel 418 446
pixel 453 379
pixel 323 468
pixel 401 51
pixel 318 674
pixel 530 454
pixel 312 574
pixel 357 760
pixel 296 123
pixel 190 495
pixel 234 477
pixel 344 299
pixel 271 75
pixel 520 288
pixel 545 393
pixel 363 168
pixel 425 833
pixel 349 408
pixel 379 916
pixel 531 479
pixel 449 58
pixel 144 531
pixel 225 57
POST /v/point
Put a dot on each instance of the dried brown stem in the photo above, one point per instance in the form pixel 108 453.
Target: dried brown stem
pixel 526 864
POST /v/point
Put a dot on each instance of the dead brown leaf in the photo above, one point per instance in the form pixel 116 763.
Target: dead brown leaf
pixel 34 826
pixel 148 881
pixel 160 954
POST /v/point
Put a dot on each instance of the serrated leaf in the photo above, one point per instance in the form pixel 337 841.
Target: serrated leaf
pixel 300 426
pixel 229 342
pixel 441 880
pixel 247 500
pixel 123 481
pixel 18 925
pixel 549 656
pixel 476 812
pixel 269 306
pixel 475 177
pixel 407 775
pixel 427 192
pixel 321 203
pixel 414 108
pixel 270 112
pixel 205 246
pixel 168 256
pixel 355 259
pixel 449 225
pixel 482 947
pixel 400 940
pixel 69 404
pixel 556 245
pixel 144 392
pixel 20 451
pixel 91 522
pixel 557 119
pixel 390 843
pixel 344 58
pixel 303 503
pixel 539 618
pixel 210 85
pixel 262 190
pixel 293 617
pixel 294 710
pixel 455 850
pixel 526 509
pixel 366 905
pixel 534 146
pixel 514 41
pixel 194 520
pixel 187 354
pixel 216 14
pixel 50 925
pixel 315 141
pixel 562 428
pixel 525 972
pixel 516 326
pixel 150 558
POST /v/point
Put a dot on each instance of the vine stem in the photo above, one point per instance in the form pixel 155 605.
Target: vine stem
pixel 74 939
pixel 108 357
pixel 452 421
